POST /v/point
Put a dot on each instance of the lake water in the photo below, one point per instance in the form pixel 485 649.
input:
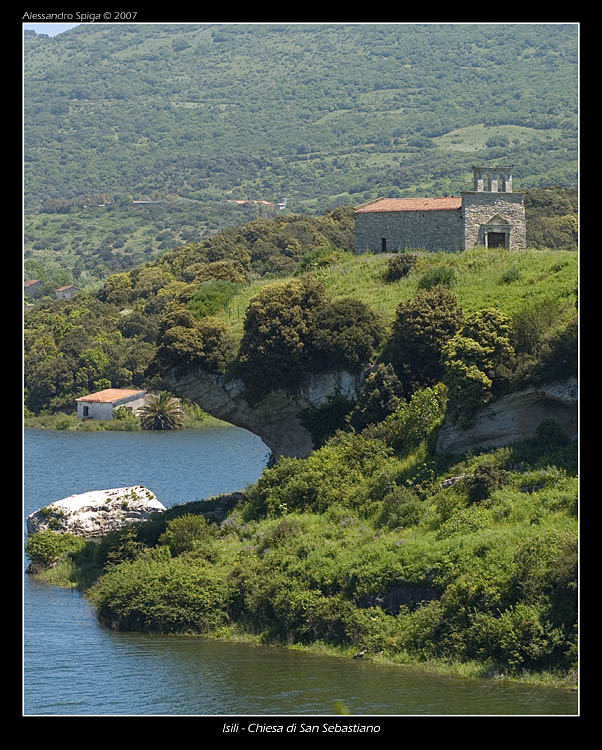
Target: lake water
pixel 75 667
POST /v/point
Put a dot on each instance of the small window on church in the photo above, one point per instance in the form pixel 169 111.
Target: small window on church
pixel 383 244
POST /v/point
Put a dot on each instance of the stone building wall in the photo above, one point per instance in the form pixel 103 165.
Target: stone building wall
pixel 503 212
pixel 409 230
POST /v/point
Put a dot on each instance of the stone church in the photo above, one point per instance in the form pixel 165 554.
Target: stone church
pixel 490 214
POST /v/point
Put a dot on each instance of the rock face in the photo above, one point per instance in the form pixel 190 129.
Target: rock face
pixel 96 513
pixel 275 419
pixel 515 417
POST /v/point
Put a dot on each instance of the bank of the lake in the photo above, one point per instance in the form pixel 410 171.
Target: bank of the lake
pixel 236 631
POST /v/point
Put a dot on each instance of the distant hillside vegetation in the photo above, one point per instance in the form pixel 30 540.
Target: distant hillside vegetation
pixel 322 114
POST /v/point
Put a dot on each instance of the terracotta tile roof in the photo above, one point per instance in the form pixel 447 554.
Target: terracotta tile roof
pixel 109 395
pixel 410 204
pixel 30 282
pixel 62 288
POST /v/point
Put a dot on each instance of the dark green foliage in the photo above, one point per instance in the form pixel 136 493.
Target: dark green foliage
pixel 274 350
pixel 345 335
pixel 323 421
pixel 185 344
pixel 399 266
pixel 421 328
pixel 550 434
pixel 483 481
pixel 381 395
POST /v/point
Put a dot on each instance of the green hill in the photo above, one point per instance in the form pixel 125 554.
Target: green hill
pixel 323 115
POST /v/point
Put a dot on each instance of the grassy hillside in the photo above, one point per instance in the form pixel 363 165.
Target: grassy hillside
pixel 483 277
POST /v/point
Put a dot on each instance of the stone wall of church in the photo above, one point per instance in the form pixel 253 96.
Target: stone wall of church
pixel 409 230
pixel 482 208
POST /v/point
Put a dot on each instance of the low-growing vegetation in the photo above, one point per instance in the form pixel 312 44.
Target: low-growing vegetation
pixel 371 543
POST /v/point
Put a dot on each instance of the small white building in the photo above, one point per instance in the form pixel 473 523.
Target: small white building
pixel 100 405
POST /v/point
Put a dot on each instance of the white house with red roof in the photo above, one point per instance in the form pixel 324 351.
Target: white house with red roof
pixel 100 405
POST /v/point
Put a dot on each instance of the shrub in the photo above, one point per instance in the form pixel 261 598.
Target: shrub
pixel 483 481
pixel 550 434
pixel 511 275
pixel 345 335
pixel 421 328
pixel 401 508
pixel 415 421
pixel 185 344
pixel 471 359
pixel 45 547
pixel 381 395
pixel 186 532
pixel 399 266
pixel 277 332
pixel 156 593
pixel 438 276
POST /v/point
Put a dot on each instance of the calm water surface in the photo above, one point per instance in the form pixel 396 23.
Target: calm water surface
pixel 74 666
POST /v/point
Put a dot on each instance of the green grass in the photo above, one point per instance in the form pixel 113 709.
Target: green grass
pixel 479 283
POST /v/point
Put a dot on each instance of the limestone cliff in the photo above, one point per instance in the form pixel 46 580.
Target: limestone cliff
pixel 275 419
pixel 515 417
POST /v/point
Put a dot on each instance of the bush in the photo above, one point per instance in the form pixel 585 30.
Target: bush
pixel 438 276
pixel 381 395
pixel 345 335
pixel 46 547
pixel 414 422
pixel 157 594
pixel 421 328
pixel 483 481
pixel 399 266
pixel 511 275
pixel 185 344
pixel 401 508
pixel 471 359
pixel 186 532
pixel 550 434
pixel 274 351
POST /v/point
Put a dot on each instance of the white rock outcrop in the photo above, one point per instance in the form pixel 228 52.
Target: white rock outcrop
pixel 516 417
pixel 96 513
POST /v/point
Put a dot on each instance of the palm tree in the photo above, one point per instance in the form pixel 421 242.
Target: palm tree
pixel 161 411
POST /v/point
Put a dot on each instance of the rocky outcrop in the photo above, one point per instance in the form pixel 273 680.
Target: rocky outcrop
pixel 275 419
pixel 515 417
pixel 96 513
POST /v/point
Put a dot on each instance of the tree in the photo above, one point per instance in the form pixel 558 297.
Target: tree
pixel 161 411
pixel 345 336
pixel 274 351
pixel 421 328
pixel 381 395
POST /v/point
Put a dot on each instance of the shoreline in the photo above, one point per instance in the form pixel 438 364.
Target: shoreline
pixel 434 667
